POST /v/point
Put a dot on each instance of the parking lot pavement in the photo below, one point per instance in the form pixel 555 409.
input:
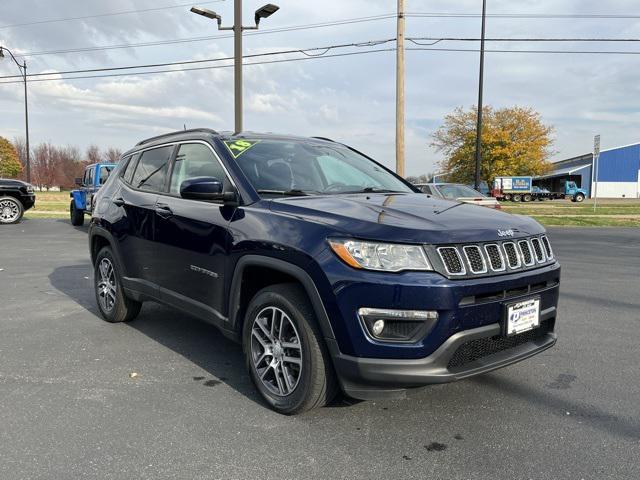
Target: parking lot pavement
pixel 69 409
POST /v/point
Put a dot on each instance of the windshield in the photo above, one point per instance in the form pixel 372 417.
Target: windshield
pixel 306 168
pixel 458 191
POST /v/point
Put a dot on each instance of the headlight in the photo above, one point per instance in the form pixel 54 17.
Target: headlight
pixel 386 257
pixel 29 188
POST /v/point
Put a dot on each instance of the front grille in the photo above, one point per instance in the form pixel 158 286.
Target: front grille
pixel 495 257
pixel 483 347
pixel 512 254
pixel 475 259
pixel 537 248
pixel 452 260
pixel 547 247
pixel 525 249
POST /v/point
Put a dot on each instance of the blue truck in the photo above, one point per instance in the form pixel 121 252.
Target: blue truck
pixel 522 189
pixel 95 175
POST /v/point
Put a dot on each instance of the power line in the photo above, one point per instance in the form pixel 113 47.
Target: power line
pixel 265 62
pixel 523 15
pixel 291 28
pixel 304 51
pixel 416 40
pixel 567 52
pixel 100 15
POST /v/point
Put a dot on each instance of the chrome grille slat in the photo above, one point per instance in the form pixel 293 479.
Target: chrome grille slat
pixel 495 257
pixel 452 260
pixel 547 247
pixel 525 252
pixel 537 249
pixel 475 259
pixel 513 258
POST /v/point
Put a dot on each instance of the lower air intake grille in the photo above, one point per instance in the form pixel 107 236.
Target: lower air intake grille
pixel 483 347
pixel 452 260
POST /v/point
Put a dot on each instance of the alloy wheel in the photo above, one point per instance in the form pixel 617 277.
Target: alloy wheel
pixel 9 211
pixel 106 285
pixel 276 351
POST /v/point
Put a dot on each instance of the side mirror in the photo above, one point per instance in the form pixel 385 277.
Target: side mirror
pixel 207 188
pixel 78 181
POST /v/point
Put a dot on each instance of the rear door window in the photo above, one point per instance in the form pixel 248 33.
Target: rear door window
pixel 151 172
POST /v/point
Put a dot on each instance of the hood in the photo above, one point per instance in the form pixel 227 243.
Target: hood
pixel 406 218
pixel 13 182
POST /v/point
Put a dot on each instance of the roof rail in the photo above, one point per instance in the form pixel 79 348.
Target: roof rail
pixel 192 130
pixel 325 138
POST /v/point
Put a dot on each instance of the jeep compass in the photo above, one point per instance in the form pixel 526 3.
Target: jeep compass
pixel 332 272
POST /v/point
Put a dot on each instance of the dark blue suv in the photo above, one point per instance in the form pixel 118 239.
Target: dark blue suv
pixel 332 271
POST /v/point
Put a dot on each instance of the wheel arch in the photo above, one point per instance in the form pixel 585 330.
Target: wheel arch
pixel 100 238
pixel 270 271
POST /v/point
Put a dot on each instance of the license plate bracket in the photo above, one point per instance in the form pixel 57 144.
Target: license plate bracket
pixel 520 317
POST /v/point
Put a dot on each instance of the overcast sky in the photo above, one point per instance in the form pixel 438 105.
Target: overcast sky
pixel 349 98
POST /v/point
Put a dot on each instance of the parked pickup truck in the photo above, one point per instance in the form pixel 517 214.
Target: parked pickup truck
pixel 16 197
pixel 330 270
pixel 94 177
pixel 522 189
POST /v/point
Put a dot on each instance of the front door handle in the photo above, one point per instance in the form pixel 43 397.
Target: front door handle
pixel 164 210
pixel 118 202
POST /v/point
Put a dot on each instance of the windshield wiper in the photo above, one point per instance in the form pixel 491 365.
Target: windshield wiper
pixel 290 193
pixel 374 190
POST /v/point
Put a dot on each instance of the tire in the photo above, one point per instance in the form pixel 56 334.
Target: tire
pixel 77 216
pixel 517 197
pixel 507 197
pixel 527 198
pixel 11 210
pixel 579 197
pixel 307 380
pixel 113 304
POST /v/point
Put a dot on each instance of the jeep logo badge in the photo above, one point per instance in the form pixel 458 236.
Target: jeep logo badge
pixel 505 233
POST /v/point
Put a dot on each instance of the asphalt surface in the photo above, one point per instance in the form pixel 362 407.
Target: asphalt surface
pixel 69 409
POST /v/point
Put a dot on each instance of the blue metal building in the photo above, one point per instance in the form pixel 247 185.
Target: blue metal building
pixel 618 173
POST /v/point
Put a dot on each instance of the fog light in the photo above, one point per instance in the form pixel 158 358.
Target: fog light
pixel 377 328
pixel 405 326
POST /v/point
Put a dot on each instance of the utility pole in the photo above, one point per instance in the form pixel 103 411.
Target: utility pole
pixel 237 63
pixel 596 157
pixel 263 12
pixel 400 90
pixel 23 72
pixel 26 120
pixel 480 88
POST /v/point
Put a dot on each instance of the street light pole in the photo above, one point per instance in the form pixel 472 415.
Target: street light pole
pixel 23 72
pixel 480 88
pixel 263 12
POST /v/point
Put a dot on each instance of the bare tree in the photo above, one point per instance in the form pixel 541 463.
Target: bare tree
pixel 92 155
pixel 113 154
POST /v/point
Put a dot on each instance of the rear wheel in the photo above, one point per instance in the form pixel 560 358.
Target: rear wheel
pixel 507 197
pixel 11 210
pixel 77 215
pixel 527 198
pixel 112 302
pixel 285 352
pixel 517 197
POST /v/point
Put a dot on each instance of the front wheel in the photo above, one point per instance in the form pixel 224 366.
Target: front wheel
pixel 285 352
pixel 579 197
pixel 77 215
pixel 113 304
pixel 11 210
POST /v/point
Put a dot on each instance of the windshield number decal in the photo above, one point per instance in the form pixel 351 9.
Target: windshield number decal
pixel 238 147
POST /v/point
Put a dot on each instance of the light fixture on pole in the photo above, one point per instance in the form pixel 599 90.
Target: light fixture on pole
pixel 263 12
pixel 23 72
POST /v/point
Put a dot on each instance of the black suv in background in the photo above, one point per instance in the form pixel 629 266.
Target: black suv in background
pixel 16 197
pixel 332 271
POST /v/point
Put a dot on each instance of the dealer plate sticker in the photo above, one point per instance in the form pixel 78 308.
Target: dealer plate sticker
pixel 523 316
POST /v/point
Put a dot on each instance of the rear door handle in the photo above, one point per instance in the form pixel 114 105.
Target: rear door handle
pixel 164 210
pixel 119 202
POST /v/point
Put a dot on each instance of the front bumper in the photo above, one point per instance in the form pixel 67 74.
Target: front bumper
pixel 28 201
pixel 369 378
